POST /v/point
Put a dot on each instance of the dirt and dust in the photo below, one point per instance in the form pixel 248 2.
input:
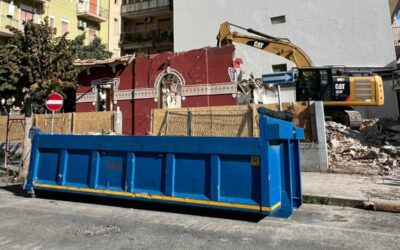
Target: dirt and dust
pixel 96 230
pixel 373 149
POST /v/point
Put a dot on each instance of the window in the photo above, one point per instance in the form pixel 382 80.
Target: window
pixel 278 19
pixel 64 26
pixel 51 21
pixel 93 8
pixel 104 98
pixel 26 15
pixel 279 67
pixel 308 88
pixel 92 35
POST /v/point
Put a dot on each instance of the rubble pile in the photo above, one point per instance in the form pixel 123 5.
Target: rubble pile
pixel 374 149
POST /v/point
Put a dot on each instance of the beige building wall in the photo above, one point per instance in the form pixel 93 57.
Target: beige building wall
pixel 76 16
pixel 114 23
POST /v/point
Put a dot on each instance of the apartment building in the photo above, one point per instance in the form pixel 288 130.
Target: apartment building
pixel 72 16
pixel 147 26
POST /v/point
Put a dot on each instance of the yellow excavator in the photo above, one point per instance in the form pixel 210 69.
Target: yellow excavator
pixel 338 87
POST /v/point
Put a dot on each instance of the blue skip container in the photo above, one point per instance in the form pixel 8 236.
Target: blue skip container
pixel 256 175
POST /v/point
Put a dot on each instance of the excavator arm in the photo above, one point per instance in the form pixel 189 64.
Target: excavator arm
pixel 338 91
pixel 277 46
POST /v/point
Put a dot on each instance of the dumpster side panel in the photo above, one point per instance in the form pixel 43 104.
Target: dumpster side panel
pixel 127 167
pixel 50 158
pixel 240 181
pixel 78 168
pixel 149 173
pixel 258 175
pixel 195 169
pixel 296 174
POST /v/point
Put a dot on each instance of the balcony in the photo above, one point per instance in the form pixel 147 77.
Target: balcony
pixel 91 12
pixel 5 21
pixel 137 8
pixel 396 39
pixel 40 1
pixel 396 36
pixel 149 39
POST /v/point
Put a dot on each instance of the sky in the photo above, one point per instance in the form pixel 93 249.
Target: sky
pixel 398 18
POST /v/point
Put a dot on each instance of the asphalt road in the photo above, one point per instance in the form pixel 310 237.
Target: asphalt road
pixel 45 223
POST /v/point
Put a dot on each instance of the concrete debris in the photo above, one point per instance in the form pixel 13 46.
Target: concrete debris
pixel 374 149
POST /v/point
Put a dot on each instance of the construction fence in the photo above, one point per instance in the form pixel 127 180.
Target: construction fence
pixel 64 123
pixel 230 121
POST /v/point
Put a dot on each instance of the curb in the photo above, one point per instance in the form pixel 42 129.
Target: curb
pixel 313 199
pixel 375 205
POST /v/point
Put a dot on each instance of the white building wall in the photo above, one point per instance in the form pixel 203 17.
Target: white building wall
pixel 354 33
pixel 337 32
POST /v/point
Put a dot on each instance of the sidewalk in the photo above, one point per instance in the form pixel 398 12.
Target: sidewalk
pixel 375 192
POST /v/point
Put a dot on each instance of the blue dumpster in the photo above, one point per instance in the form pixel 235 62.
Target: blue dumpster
pixel 257 175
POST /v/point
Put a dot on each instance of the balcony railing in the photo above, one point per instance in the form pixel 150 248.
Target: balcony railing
pixel 396 36
pixel 5 21
pixel 136 6
pixel 91 12
pixel 154 37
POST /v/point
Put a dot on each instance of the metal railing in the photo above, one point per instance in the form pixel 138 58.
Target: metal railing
pixel 153 36
pixel 139 6
pixel 396 36
pixel 92 9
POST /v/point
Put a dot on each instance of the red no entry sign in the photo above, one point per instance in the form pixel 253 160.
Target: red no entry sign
pixel 54 102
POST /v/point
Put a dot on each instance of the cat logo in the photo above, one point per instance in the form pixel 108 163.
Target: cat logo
pixel 258 44
pixel 255 160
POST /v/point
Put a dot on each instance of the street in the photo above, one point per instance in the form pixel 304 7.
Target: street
pixel 71 223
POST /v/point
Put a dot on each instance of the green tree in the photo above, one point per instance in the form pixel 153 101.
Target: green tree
pixel 37 62
pixel 94 50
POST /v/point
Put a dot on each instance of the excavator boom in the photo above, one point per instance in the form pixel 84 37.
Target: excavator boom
pixel 338 91
pixel 277 46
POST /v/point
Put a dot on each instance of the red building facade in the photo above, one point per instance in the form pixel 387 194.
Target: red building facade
pixel 136 85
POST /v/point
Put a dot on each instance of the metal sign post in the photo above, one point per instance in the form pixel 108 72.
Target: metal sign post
pixel 279 97
pixel 278 79
pixel 52 122
pixel 54 103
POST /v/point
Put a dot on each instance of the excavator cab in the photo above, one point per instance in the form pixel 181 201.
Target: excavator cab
pixel 333 87
pixel 322 84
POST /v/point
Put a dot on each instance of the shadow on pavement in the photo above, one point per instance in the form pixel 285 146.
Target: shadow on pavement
pixel 16 189
pixel 126 203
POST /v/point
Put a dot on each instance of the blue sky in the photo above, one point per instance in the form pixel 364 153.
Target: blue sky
pixel 398 17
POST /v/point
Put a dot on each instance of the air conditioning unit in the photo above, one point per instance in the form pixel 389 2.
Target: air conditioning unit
pixel 81 24
pixel 148 19
pixel 11 8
